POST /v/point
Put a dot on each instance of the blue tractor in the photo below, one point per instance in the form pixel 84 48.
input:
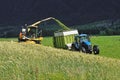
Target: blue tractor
pixel 82 43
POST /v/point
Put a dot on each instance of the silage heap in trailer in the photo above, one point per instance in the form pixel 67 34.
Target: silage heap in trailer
pixel 64 39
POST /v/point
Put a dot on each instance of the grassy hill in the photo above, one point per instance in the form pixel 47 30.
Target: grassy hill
pixel 37 62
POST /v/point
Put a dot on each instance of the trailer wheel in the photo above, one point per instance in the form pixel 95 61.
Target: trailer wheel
pixel 73 47
pixel 96 49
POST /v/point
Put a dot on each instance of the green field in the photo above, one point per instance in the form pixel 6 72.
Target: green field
pixel 109 45
pixel 20 61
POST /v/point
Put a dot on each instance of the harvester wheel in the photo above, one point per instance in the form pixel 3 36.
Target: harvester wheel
pixel 19 40
pixel 96 49
pixel 37 42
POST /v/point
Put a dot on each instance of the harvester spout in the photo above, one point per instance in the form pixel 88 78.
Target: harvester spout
pixel 38 22
pixel 51 18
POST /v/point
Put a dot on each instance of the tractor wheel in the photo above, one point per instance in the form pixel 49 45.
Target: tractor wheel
pixel 83 50
pixel 96 49
pixel 90 52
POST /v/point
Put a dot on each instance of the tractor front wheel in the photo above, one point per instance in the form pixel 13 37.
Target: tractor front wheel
pixel 96 49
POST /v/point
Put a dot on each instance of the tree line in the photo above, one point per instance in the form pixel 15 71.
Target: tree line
pixel 106 27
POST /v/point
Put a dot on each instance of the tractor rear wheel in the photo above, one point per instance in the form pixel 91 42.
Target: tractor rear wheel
pixel 83 50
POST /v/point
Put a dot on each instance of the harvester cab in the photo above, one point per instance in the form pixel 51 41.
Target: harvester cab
pixel 30 34
pixel 34 34
pixel 82 43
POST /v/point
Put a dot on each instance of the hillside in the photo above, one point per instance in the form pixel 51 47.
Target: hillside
pixel 104 27
pixel 37 62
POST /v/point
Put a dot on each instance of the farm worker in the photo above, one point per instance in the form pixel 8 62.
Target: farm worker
pixel 20 35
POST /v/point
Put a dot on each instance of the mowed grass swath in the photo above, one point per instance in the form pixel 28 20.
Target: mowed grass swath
pixel 20 61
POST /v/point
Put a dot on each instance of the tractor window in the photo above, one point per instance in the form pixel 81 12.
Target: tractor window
pixel 83 38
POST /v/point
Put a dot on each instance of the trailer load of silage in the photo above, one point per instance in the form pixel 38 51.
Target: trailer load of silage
pixel 65 37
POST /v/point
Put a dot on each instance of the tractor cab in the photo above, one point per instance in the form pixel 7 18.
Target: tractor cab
pixel 82 42
pixel 82 38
